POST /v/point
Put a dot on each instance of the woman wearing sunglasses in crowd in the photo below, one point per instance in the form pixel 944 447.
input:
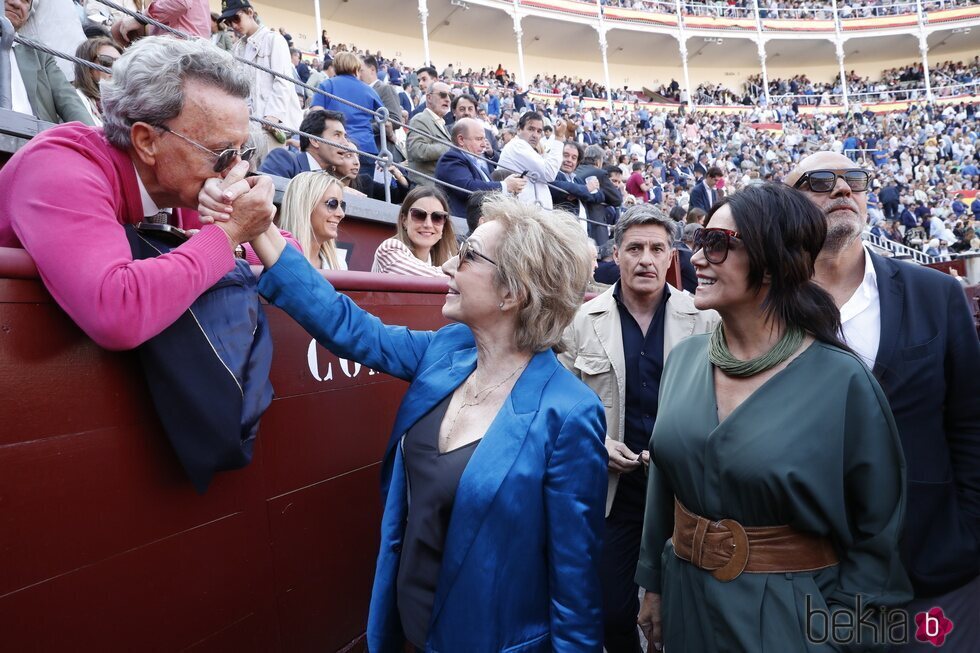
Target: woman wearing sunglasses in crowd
pixel 312 209
pixel 100 50
pixel 424 238
pixel 494 477
pixel 777 473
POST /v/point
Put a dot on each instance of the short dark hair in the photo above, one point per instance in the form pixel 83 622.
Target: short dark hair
pixel 637 166
pixel 371 61
pixel 474 209
pixel 315 122
pixel 613 170
pixel 293 51
pixel 528 117
pixel 428 69
pixel 713 171
pixel 463 96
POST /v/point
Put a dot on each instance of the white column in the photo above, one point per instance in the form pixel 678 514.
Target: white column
pixel 604 49
pixel 317 35
pixel 839 42
pixel 924 49
pixel 761 45
pixel 424 19
pixel 519 35
pixel 682 45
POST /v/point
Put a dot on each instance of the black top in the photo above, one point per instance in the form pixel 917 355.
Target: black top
pixel 432 481
pixel 644 364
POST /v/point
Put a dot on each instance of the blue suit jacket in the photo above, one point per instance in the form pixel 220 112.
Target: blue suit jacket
pixel 520 564
pixel 283 163
pixel 699 198
pixel 927 364
pixel 457 169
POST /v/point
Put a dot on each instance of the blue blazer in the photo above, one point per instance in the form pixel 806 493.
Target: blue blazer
pixel 699 197
pixel 283 163
pixel 927 364
pixel 457 169
pixel 520 569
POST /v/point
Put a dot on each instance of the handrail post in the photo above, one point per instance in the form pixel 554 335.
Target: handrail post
pixel 6 43
pixel 381 117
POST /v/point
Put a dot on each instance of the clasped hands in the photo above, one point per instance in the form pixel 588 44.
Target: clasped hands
pixel 241 206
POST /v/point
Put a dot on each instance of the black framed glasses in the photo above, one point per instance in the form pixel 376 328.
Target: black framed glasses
pixel 823 181
pixel 467 254
pixel 440 94
pixel 223 159
pixel 715 242
pixel 419 215
pixel 333 204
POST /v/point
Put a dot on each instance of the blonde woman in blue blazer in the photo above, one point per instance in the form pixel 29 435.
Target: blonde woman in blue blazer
pixel 494 478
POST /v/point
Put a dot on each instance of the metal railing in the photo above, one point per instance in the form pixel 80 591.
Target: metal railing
pixel 898 249
pixel 381 115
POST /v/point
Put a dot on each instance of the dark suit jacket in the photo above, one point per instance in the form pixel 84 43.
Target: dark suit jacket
pixel 52 98
pixel 927 365
pixel 611 196
pixel 283 163
pixel 457 169
pixel 700 199
pixel 566 195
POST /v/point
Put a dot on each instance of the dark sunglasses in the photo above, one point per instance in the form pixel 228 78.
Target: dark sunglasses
pixel 223 159
pixel 442 94
pixel 715 242
pixel 823 181
pixel 104 60
pixel 333 203
pixel 468 254
pixel 419 215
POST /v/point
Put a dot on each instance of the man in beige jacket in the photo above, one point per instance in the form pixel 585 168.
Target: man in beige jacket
pixel 617 344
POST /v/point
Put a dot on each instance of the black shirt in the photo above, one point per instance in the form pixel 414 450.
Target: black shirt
pixel 432 481
pixel 644 357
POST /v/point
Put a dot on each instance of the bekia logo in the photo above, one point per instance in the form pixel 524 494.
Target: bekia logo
pixel 932 626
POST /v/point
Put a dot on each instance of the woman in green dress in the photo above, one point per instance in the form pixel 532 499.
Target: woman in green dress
pixel 776 490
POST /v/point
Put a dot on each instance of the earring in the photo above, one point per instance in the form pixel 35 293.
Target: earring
pixel 501 306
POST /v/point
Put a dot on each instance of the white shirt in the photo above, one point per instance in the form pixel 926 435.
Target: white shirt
pixel 150 207
pixel 18 92
pixel 314 166
pixel 860 316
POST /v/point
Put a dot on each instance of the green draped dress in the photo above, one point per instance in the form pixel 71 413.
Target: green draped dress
pixel 815 448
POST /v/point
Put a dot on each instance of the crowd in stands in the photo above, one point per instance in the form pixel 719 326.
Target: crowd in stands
pixel 794 10
pixel 632 154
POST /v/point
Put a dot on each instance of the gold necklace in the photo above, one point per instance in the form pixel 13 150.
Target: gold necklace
pixel 477 400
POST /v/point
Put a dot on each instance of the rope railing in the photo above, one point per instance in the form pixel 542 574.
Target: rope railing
pixel 378 116
pixel 384 157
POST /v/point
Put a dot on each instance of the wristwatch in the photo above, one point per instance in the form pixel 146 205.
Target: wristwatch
pixel 240 251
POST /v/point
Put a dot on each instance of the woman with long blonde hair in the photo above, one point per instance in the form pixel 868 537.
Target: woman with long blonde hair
pixel 312 209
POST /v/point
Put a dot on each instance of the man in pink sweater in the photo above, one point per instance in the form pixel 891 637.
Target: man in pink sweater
pixel 175 116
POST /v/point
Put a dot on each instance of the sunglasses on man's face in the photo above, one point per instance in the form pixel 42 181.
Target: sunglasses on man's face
pixel 715 242
pixel 419 215
pixel 440 94
pixel 222 158
pixel 333 204
pixel 824 181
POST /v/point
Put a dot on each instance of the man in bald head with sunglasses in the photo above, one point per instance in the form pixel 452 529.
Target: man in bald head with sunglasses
pixel 912 326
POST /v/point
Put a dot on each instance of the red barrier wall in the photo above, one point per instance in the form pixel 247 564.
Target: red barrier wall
pixel 105 546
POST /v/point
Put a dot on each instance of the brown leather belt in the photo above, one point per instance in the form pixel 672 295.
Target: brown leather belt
pixel 726 548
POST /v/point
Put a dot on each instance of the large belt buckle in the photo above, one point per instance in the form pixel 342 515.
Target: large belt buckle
pixel 740 552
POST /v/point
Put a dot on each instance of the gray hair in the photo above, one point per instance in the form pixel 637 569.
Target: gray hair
pixel 594 154
pixel 148 80
pixel 640 214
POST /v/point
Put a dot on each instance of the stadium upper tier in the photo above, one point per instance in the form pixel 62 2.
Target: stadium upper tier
pixel 761 15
